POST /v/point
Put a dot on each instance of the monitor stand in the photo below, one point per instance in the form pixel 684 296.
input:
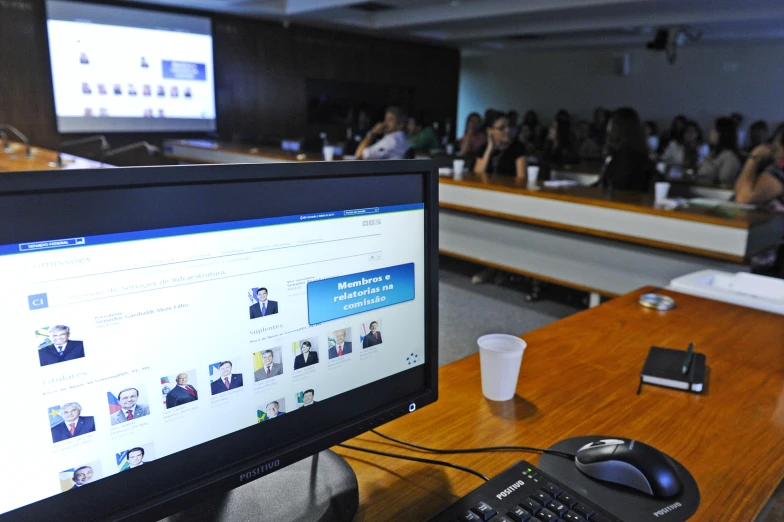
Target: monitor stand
pixel 320 488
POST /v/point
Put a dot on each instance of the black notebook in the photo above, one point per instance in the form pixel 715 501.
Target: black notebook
pixel 664 367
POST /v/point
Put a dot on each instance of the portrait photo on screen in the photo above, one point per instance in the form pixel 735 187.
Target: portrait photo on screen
pixel 305 352
pixel 80 476
pixel 69 420
pixel 339 342
pixel 267 363
pixel 370 333
pixel 135 456
pixel 306 398
pixel 179 389
pixel 225 375
pixel 271 410
pixel 128 403
pixel 58 344
pixel 261 303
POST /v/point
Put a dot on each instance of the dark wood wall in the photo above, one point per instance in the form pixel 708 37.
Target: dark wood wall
pixel 260 74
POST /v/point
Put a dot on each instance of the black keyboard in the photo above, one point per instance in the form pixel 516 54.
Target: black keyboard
pixel 523 493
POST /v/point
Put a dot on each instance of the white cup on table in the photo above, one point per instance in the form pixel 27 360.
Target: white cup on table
pixel 329 153
pixel 500 356
pixel 533 175
pixel 661 190
pixel 457 168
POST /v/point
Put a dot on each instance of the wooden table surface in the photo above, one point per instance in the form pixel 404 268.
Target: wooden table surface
pixel 621 200
pixel 16 160
pixel 578 377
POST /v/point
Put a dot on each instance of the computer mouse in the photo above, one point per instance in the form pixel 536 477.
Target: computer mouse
pixel 629 463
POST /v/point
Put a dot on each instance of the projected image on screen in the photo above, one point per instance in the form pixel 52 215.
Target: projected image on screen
pixel 132 50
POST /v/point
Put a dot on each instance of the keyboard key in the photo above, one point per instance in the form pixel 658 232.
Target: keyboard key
pixel 518 514
pixel 541 497
pixel 552 489
pixel 571 516
pixel 470 516
pixel 484 511
pixel 557 508
pixel 502 519
pixel 567 500
pixel 545 515
pixel 599 518
pixel 583 510
pixel 531 505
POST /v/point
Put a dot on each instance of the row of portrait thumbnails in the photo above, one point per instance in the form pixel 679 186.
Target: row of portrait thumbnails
pixel 56 346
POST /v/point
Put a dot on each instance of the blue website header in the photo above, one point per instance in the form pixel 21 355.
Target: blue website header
pixel 35 246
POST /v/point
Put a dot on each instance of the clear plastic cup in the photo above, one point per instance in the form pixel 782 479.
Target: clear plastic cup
pixel 500 356
pixel 329 153
pixel 661 189
pixel 457 168
pixel 533 174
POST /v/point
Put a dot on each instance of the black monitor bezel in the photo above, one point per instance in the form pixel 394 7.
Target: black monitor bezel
pixel 190 493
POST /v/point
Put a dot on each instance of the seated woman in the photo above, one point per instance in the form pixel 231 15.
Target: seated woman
pixel 675 133
pixel 722 165
pixel 502 155
pixel 473 141
pixel 758 134
pixel 689 151
pixel 762 178
pixel 627 165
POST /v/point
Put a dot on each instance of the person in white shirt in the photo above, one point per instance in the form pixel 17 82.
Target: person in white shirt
pixel 722 165
pixel 393 143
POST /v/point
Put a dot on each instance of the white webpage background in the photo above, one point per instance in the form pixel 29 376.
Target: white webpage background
pixel 214 326
pixel 115 53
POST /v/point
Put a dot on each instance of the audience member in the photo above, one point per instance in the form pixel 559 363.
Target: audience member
pixel 675 133
pixel 513 127
pixel 652 137
pixel 722 164
pixel 599 126
pixel 532 120
pixel 738 119
pixel 502 155
pixel 689 151
pixel 560 147
pixel 474 140
pixel 762 178
pixel 758 134
pixel 392 143
pixel 527 138
pixel 421 138
pixel 587 146
pixel 627 165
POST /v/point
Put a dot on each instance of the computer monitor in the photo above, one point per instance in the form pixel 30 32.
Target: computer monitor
pixel 175 332
pixel 122 69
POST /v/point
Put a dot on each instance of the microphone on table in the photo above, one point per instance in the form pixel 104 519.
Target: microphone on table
pixel 80 141
pixel 15 131
pixel 151 149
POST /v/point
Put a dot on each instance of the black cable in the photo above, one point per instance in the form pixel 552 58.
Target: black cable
pixel 417 459
pixel 557 453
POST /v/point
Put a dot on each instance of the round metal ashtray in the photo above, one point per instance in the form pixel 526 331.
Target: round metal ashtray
pixel 657 302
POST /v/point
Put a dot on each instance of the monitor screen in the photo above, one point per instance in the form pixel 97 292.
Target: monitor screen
pixel 117 69
pixel 178 328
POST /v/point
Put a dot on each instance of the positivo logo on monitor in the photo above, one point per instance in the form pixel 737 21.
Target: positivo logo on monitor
pixel 261 470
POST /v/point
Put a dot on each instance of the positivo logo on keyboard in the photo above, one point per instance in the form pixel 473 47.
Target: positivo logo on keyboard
pixel 671 507
pixel 508 491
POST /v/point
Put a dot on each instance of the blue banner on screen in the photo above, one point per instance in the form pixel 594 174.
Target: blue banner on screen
pixel 351 294
pixel 184 70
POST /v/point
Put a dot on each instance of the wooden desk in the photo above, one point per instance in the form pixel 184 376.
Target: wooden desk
pixel 205 151
pixel 16 160
pixel 579 376
pixel 581 238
